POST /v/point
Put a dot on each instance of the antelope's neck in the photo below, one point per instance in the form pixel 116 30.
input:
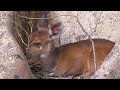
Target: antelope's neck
pixel 53 57
pixel 51 60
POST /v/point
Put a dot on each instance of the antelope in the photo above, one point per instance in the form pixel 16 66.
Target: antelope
pixel 72 59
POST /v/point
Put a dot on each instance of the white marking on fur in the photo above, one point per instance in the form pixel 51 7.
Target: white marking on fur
pixel 40 47
pixel 43 55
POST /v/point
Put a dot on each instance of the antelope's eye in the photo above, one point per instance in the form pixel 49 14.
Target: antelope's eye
pixel 37 43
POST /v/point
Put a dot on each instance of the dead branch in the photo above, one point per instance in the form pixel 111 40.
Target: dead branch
pixel 93 47
pixel 19 33
pixel 31 30
pixel 20 27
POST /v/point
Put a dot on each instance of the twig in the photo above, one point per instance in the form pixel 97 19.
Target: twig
pixel 42 76
pixel 19 33
pixel 31 26
pixel 51 71
pixel 31 18
pixel 44 18
pixel 31 29
pixel 21 39
pixel 20 27
pixel 93 47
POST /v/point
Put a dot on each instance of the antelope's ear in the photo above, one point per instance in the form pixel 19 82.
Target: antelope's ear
pixel 43 22
pixel 56 30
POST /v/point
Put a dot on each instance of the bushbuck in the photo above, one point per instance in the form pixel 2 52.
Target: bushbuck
pixel 67 60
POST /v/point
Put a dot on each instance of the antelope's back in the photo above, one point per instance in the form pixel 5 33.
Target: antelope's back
pixel 79 55
pixel 102 48
pixel 84 48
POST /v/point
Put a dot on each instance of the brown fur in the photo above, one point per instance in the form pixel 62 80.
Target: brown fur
pixel 77 58
pixel 71 59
